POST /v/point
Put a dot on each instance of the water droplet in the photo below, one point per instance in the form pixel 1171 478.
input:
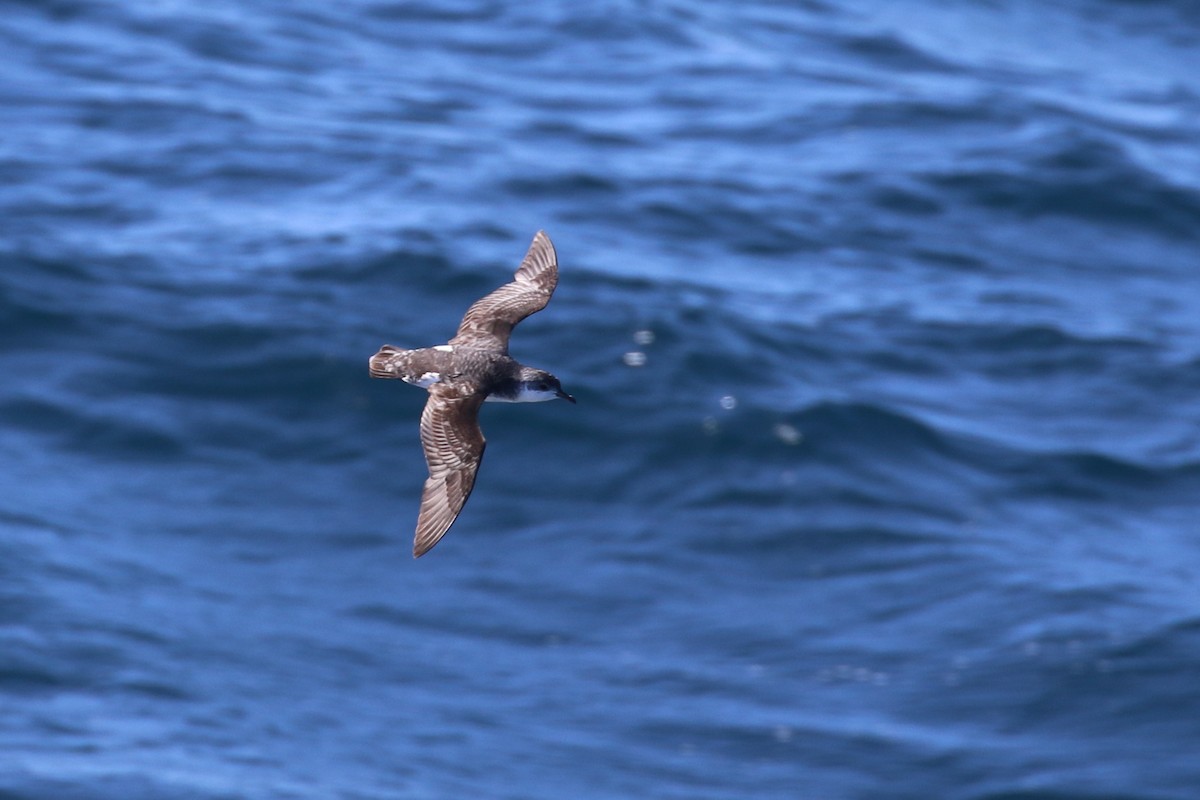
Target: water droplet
pixel 729 402
pixel 788 434
pixel 634 359
pixel 643 337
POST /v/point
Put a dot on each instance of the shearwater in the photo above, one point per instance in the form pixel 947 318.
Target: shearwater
pixel 460 375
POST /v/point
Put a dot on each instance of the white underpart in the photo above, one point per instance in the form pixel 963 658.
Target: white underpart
pixel 527 394
pixel 445 348
pixel 427 380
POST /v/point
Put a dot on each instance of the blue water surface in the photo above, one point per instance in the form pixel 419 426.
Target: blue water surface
pixel 884 321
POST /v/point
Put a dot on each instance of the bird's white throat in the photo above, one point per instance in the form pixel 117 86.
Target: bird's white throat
pixel 525 394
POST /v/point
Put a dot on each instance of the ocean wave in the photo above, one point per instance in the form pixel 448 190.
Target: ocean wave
pixel 118 436
pixel 869 455
pixel 1081 177
pixel 76 783
pixel 890 52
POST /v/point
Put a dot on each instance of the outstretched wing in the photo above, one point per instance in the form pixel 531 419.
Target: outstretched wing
pixel 453 445
pixel 490 320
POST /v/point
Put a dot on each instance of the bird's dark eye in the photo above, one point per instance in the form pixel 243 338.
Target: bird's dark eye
pixel 543 387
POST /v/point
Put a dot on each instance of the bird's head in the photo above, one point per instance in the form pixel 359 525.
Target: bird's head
pixel 537 386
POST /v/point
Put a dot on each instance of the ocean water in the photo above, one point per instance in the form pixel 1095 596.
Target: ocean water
pixel 884 322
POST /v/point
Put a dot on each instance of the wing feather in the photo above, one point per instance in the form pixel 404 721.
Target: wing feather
pixel 453 444
pixel 490 320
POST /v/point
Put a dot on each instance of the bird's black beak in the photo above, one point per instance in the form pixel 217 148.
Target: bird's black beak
pixel 565 396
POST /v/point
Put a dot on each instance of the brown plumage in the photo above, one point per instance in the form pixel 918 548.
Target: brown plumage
pixel 453 444
pixel 491 319
pixel 473 367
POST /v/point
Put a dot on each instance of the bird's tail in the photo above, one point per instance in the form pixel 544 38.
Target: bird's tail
pixel 384 363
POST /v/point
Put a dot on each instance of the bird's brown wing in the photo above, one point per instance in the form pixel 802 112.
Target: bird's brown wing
pixel 453 445
pixel 490 320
